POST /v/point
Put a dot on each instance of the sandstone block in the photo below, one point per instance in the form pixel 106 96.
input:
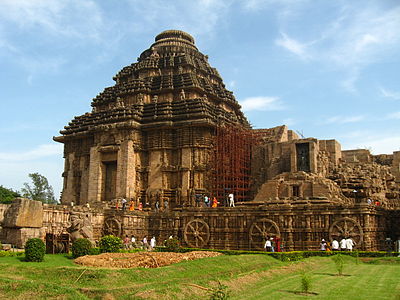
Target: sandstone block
pixel 24 213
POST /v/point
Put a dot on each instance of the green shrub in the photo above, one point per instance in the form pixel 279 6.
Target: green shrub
pixel 110 243
pixel 338 259
pixel 305 282
pixel 35 250
pixel 172 245
pixel 220 292
pixel 10 253
pixel 94 251
pixel 81 247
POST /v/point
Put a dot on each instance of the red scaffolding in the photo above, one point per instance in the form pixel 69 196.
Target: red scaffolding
pixel 232 163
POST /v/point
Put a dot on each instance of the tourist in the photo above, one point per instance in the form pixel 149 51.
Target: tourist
pixel 206 201
pixel 140 206
pixel 268 245
pixel 152 243
pixel 145 244
pixel 335 245
pixel 350 244
pixel 117 204
pixel 127 242
pixel 157 205
pixel 323 245
pixel 343 244
pixel 278 244
pixel 231 200
pixel 272 244
pixel 166 204
pixel 131 205
pixel 124 203
pixel 215 203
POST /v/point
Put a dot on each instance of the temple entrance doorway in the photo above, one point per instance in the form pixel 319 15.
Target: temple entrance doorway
pixel 110 180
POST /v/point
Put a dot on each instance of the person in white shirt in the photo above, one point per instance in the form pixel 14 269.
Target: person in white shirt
pixel 231 200
pixel 349 244
pixel 343 244
pixel 335 245
pixel 152 243
pixel 268 245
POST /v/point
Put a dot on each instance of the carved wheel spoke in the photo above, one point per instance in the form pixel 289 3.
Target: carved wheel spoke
pixel 112 226
pixel 197 233
pixel 346 227
pixel 259 231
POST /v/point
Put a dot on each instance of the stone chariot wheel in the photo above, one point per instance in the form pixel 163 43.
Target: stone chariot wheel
pixel 112 227
pixel 197 233
pixel 346 227
pixel 260 230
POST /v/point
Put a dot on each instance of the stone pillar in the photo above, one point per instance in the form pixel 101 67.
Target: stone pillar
pixel 186 163
pixel 95 176
pixel 126 175
pixel 68 194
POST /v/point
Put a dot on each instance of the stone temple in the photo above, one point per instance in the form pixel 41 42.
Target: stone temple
pixel 169 133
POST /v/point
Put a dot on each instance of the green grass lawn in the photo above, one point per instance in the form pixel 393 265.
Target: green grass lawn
pixel 246 277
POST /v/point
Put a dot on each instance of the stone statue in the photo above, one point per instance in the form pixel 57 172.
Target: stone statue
pixel 140 99
pixel 182 94
pixel 81 227
pixel 119 103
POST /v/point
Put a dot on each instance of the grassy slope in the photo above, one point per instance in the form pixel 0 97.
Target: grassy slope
pixel 248 277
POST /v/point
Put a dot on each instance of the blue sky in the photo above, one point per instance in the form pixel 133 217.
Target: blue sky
pixel 327 69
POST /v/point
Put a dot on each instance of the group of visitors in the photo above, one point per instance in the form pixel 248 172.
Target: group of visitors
pixel 131 243
pixel 200 201
pixel 207 202
pixel 273 244
pixel 345 244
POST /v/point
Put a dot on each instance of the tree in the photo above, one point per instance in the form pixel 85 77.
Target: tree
pixel 40 191
pixel 7 195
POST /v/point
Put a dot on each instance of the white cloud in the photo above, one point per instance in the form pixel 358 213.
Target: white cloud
pixel 378 145
pixel 71 18
pixel 262 103
pixel 293 46
pixel 344 120
pixel 389 94
pixel 37 153
pixel 358 37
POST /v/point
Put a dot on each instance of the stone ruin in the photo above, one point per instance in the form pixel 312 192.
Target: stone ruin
pixel 169 132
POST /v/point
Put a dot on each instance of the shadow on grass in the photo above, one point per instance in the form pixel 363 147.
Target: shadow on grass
pixel 300 293
pixel 332 274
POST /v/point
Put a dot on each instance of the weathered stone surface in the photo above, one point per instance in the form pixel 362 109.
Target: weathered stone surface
pixel 18 236
pixel 24 213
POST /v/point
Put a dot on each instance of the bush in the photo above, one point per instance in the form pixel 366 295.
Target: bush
pixel 10 253
pixel 220 292
pixel 81 247
pixel 305 282
pixel 110 243
pixel 35 250
pixel 338 259
pixel 94 251
pixel 172 245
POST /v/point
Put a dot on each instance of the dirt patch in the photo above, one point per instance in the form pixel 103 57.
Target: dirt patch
pixel 140 259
